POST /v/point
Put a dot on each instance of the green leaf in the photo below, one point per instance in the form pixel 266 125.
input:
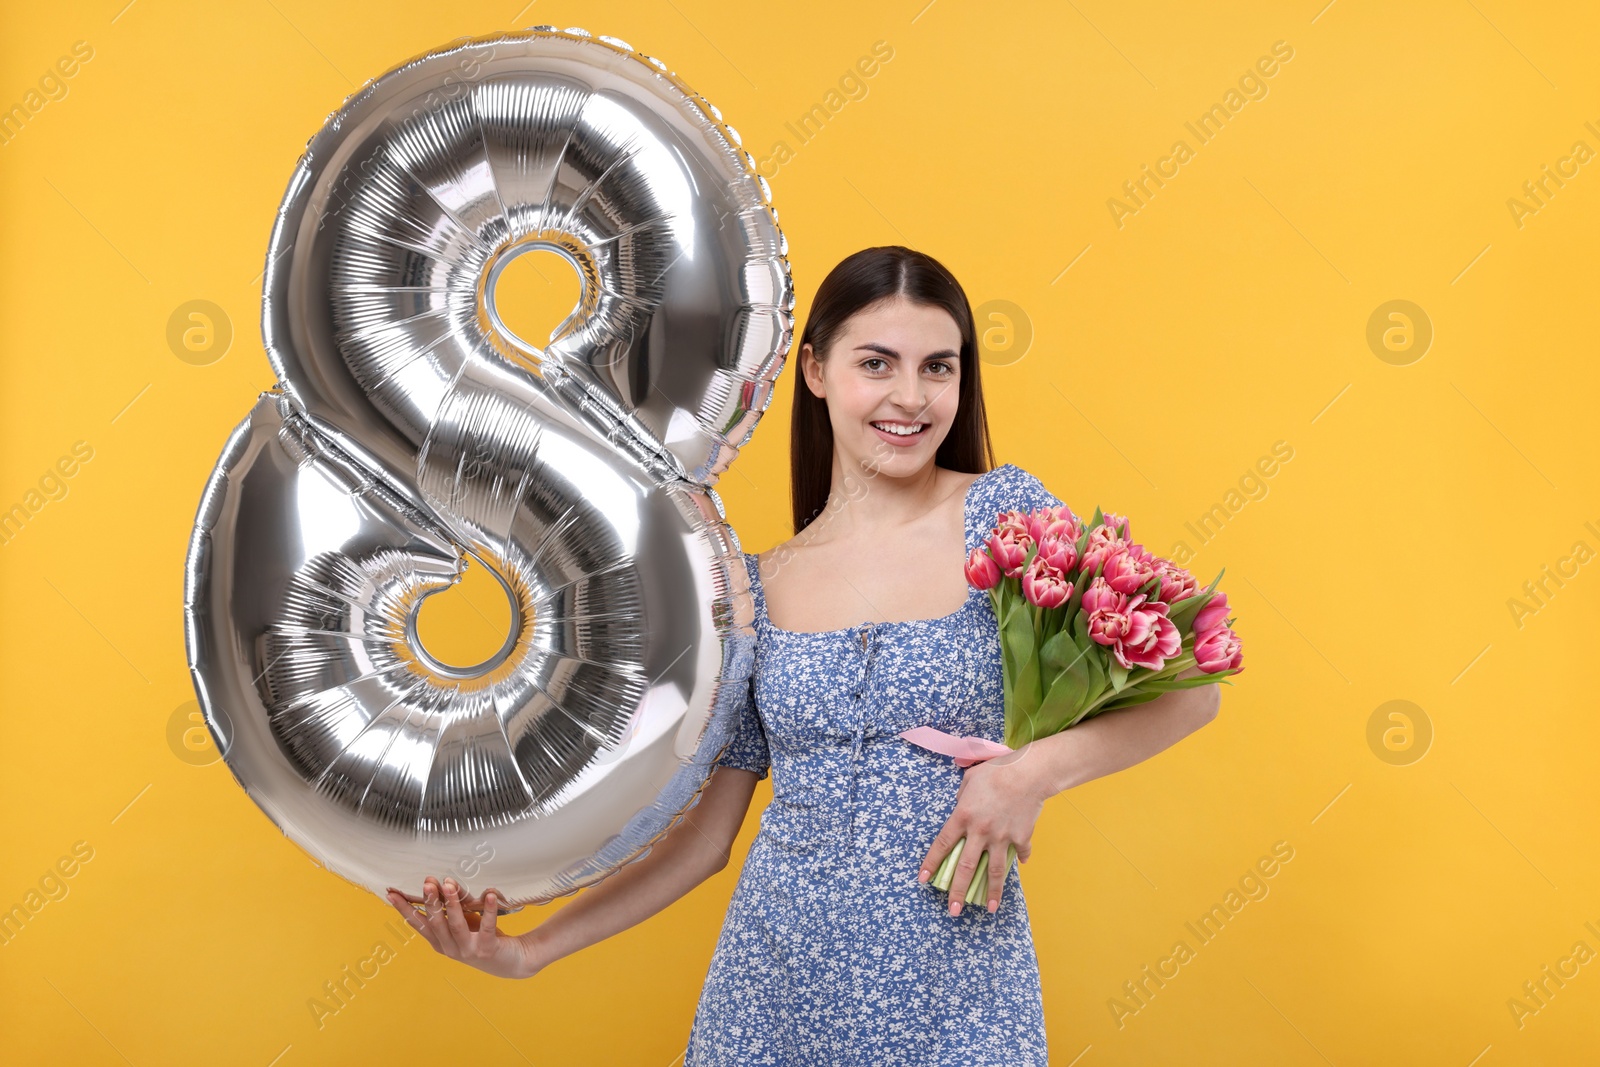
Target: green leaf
pixel 1167 685
pixel 1056 620
pixel 1182 612
pixel 1095 658
pixel 1065 700
pixel 1080 584
pixel 1019 653
pixel 1018 637
pixel 1129 699
pixel 1058 651
pixel 1119 676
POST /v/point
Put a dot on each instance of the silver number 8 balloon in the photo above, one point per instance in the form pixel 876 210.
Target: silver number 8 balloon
pixel 411 429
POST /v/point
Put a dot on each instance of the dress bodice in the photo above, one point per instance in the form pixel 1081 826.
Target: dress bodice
pixel 825 708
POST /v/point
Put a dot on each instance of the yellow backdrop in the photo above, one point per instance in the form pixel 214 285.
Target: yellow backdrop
pixel 1308 293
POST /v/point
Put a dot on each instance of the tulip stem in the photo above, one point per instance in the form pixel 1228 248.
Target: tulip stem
pixel 977 889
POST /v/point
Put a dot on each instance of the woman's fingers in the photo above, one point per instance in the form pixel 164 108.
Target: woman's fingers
pixel 398 901
pixel 981 868
pixel 952 831
pixel 997 878
pixel 420 920
pixel 455 915
pixel 448 926
pixel 488 926
pixel 966 869
pixel 437 921
pixel 408 912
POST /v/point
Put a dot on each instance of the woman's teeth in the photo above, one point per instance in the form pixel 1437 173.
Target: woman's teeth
pixel 899 430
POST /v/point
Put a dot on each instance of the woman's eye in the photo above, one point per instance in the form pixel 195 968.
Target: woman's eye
pixel 940 367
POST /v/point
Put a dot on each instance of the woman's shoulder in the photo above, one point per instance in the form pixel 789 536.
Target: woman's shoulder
pixel 754 562
pixel 1007 487
pixel 757 568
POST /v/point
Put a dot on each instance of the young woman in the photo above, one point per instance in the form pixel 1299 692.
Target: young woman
pixel 834 949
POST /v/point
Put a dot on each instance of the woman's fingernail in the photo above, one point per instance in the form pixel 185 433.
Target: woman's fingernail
pixel 923 876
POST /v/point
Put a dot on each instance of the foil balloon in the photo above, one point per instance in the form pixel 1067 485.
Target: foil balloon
pixel 411 430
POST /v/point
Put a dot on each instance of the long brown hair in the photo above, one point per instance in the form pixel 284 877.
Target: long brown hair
pixel 860 280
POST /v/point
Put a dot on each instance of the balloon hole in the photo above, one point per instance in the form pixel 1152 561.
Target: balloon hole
pixel 532 294
pixel 469 628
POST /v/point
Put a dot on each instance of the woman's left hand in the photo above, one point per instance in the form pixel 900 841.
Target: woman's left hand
pixel 997 806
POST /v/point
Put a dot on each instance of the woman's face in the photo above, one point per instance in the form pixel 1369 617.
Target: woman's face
pixel 895 366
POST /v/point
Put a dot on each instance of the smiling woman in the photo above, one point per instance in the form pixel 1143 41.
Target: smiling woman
pixel 890 462
pixel 837 946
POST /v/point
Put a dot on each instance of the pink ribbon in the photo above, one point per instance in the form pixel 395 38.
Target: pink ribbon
pixel 965 750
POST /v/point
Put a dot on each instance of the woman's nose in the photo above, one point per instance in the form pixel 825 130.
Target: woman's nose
pixel 910 394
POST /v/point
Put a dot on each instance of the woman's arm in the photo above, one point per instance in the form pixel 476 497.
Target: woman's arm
pixel 1116 740
pixel 1001 799
pixel 694 849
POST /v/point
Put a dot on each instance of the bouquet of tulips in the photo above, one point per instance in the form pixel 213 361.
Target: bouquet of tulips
pixel 1089 622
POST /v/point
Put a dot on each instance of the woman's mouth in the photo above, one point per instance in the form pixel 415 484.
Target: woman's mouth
pixel 900 433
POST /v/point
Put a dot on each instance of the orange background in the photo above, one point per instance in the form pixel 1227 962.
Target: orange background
pixel 1143 360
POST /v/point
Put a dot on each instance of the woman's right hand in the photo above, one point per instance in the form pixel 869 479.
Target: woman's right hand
pixel 469 936
pixel 693 849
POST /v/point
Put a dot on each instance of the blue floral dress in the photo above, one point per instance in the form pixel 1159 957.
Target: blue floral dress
pixel 832 952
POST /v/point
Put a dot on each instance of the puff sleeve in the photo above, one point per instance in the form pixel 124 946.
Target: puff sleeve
pixel 1007 487
pixel 747 750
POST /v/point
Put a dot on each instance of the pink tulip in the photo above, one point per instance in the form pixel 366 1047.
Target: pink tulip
pixel 1060 552
pixel 1176 583
pixel 1095 552
pixel 1009 551
pixel 1054 522
pixel 1044 586
pixel 1216 650
pixel 1102 539
pixel 982 571
pixel 1017 523
pixel 1212 615
pixel 1138 632
pixel 1128 568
